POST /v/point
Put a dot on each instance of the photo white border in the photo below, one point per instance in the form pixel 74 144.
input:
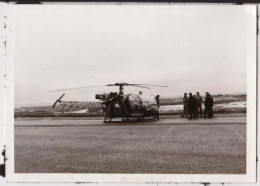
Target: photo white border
pixel 250 176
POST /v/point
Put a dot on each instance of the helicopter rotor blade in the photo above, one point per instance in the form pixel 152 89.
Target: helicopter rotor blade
pixel 139 86
pixel 114 84
pixel 148 85
pixel 76 88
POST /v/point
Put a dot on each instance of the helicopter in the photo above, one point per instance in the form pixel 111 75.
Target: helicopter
pixel 120 105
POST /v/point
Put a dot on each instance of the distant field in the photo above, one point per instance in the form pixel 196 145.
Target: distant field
pixel 169 106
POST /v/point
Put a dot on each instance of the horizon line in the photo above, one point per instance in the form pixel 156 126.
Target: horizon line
pixel 51 103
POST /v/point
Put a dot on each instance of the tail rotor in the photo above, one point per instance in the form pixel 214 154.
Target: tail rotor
pixel 58 100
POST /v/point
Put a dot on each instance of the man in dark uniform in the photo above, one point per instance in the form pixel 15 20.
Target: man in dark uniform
pixel 196 106
pixel 211 106
pixel 192 106
pixel 185 106
pixel 110 105
pixel 157 98
pixel 208 106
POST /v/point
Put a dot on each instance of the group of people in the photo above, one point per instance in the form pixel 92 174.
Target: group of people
pixel 192 106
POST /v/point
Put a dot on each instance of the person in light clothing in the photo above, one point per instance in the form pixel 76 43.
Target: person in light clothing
pixel 199 102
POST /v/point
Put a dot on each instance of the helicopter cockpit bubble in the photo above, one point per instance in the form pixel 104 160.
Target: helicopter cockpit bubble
pixel 135 102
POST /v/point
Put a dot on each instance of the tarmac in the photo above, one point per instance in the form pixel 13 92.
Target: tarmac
pixel 171 145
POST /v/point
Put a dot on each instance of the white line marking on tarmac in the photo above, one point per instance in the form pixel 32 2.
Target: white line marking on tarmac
pixel 74 167
pixel 167 132
pixel 109 133
pixel 24 152
pixel 240 136
pixel 55 156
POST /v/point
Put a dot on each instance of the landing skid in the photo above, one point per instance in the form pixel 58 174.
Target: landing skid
pixel 105 119
pixel 108 119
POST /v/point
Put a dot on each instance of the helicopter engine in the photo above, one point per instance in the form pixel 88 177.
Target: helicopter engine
pixel 107 97
pixel 102 97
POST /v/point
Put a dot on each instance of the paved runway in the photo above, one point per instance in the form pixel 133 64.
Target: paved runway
pixel 170 145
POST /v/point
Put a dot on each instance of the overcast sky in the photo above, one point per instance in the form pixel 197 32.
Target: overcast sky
pixel 188 48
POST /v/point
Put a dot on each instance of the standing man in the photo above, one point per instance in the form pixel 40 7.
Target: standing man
pixel 185 106
pixel 157 98
pixel 211 103
pixel 199 102
pixel 208 106
pixel 192 106
pixel 196 106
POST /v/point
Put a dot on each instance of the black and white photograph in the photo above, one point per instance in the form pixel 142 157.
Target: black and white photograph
pixel 137 92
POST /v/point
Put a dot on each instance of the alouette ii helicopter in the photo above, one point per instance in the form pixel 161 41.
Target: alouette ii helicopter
pixel 120 105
